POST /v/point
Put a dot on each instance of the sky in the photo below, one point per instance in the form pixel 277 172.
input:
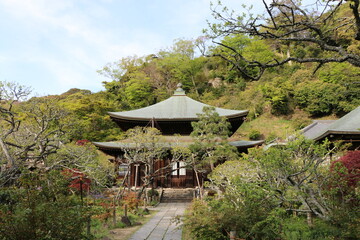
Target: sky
pixel 55 45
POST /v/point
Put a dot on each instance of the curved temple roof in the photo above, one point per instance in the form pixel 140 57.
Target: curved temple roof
pixel 112 148
pixel 177 107
pixel 348 125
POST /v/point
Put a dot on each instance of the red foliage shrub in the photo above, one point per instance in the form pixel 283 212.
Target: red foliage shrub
pixel 131 200
pixel 348 168
pixel 82 142
pixel 105 212
pixel 77 178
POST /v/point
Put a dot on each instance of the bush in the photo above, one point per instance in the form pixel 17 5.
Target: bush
pixel 254 135
pixel 131 201
pixel 296 228
pixel 319 98
pixel 153 193
pixel 280 104
pixel 41 209
pixel 202 222
pixel 348 168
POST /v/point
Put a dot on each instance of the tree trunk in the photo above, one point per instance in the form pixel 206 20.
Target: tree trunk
pixel 10 160
pixel 199 184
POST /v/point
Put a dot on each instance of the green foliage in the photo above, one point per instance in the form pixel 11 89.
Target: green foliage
pixel 254 135
pixel 319 98
pixel 278 93
pixel 88 118
pixel 210 135
pixel 210 125
pixel 153 193
pixel 41 209
pixel 85 158
pixel 263 196
pixel 295 228
pixel 138 91
pixel 204 223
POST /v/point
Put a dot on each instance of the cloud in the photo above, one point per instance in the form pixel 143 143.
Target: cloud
pixel 70 39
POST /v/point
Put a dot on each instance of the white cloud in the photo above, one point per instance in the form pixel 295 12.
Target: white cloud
pixel 72 39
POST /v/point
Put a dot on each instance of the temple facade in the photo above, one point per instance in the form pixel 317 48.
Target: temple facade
pixel 173 118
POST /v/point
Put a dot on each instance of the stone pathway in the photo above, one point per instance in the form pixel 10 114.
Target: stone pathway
pixel 161 226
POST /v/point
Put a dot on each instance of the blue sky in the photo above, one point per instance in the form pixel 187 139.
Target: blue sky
pixel 55 45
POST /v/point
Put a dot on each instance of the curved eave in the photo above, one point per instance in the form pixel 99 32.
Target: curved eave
pixel 170 126
pixel 118 146
pixel 107 145
pixel 246 144
pixel 336 132
pixel 115 115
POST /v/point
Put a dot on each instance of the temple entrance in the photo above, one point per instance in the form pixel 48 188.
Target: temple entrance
pixel 178 175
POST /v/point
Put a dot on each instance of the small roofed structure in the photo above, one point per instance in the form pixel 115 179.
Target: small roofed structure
pixel 174 115
pixel 346 129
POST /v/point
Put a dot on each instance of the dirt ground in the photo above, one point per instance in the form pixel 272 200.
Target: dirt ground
pixel 125 233
pixel 122 233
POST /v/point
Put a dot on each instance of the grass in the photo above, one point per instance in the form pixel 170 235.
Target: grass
pixel 101 229
pixel 271 126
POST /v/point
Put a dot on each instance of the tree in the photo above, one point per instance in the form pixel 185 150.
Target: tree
pixel 210 135
pixel 144 147
pixel 344 194
pixel 332 28
pixel 296 173
pixel 274 193
pixel 348 168
pixel 32 132
pixel 87 116
pixel 210 145
pixel 10 94
pixel 81 159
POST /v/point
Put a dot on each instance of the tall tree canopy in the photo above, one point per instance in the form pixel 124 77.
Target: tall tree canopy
pixel 322 32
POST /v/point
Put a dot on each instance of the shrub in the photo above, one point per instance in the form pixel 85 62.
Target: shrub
pixel 296 228
pixel 78 180
pixel 41 209
pixel 348 168
pixel 203 222
pixel 254 135
pixel 319 98
pixel 153 193
pixel 131 200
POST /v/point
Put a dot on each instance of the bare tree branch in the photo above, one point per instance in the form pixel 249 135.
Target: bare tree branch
pixel 288 21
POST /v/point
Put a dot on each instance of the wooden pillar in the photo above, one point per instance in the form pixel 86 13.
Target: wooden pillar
pixel 136 174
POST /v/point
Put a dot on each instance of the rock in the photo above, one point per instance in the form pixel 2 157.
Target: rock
pixel 126 221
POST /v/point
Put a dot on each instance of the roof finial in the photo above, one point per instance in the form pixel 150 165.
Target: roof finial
pixel 179 90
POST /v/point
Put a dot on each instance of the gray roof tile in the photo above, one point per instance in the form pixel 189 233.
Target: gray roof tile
pixel 175 107
pixel 348 124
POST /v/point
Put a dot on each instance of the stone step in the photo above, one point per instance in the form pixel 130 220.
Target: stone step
pixel 177 195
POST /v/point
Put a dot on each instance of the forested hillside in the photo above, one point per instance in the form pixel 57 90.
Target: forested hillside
pixel 228 73
pixel 284 99
pixel 285 74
